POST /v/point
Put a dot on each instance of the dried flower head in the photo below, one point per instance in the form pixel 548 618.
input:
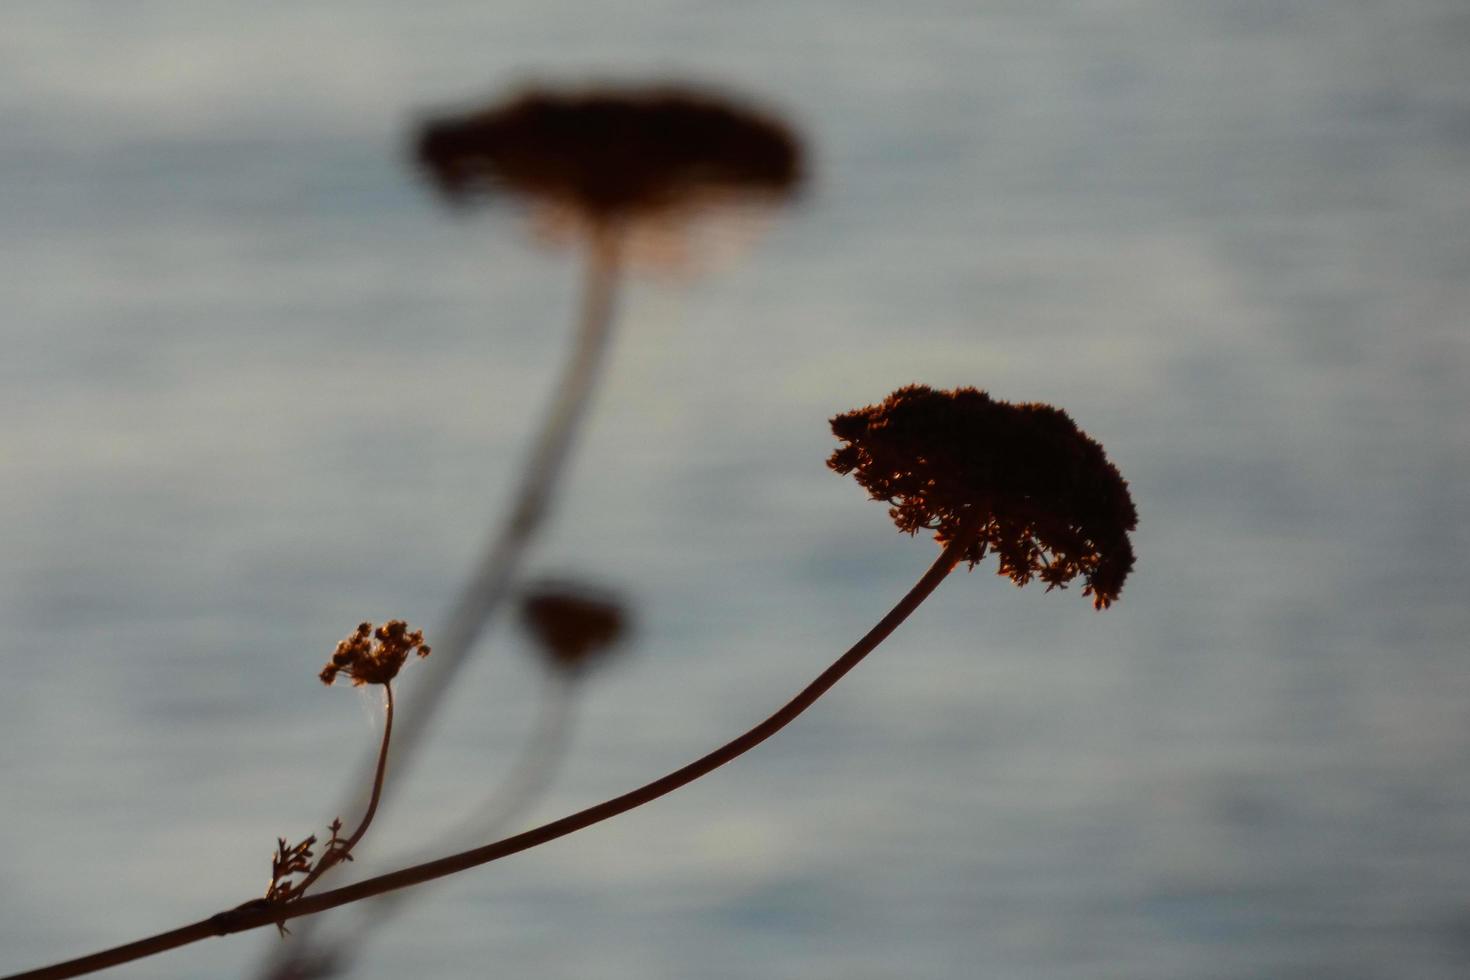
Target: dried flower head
pixel 1050 504
pixel 372 656
pixel 573 623
pixel 613 152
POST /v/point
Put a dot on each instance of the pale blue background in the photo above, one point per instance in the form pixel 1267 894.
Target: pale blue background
pixel 256 386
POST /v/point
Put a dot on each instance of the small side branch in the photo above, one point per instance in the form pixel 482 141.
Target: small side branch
pixel 338 850
pixel 256 915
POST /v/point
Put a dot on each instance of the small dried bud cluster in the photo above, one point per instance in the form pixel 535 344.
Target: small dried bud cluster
pixel 1049 502
pixel 371 656
pixel 573 624
pixel 289 859
pixel 299 859
pixel 613 152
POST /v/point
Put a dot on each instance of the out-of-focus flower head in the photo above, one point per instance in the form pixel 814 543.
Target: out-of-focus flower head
pixel 1049 503
pixel 372 656
pixel 573 624
pixel 614 152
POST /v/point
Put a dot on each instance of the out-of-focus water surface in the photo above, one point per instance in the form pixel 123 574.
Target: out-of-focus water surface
pixel 257 386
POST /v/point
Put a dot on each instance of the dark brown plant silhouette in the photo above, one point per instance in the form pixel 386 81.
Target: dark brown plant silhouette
pixel 616 156
pixel 613 153
pixel 366 656
pixel 605 162
pixel 1050 504
pixel 573 624
pixel 962 464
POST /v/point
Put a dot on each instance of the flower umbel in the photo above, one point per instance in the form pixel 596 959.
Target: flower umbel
pixel 1049 503
pixel 612 151
pixel 573 623
pixel 371 656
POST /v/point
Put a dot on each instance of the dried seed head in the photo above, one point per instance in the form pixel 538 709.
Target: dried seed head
pixel 374 656
pixel 1050 503
pixel 613 152
pixel 572 623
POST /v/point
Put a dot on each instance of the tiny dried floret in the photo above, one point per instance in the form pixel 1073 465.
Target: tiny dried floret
pixel 573 624
pixel 612 152
pixel 374 656
pixel 289 859
pixel 1047 500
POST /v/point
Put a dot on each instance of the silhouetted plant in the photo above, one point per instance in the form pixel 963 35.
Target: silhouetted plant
pixel 601 162
pixel 367 656
pixel 574 626
pixel 612 157
pixel 975 470
pixel 614 154
pixel 1051 504
pixel 573 623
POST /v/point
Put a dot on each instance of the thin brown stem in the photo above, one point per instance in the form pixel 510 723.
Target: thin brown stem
pixel 255 915
pixel 333 855
pixel 536 765
pixel 491 580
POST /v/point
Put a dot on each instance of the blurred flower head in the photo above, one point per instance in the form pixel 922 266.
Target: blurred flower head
pixel 372 656
pixel 610 153
pixel 1049 503
pixel 573 624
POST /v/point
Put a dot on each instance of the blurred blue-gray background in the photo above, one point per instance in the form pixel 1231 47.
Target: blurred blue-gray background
pixel 257 386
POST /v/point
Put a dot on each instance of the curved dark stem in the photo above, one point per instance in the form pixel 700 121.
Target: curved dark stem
pixel 491 579
pixel 334 855
pixel 253 915
pixel 536 765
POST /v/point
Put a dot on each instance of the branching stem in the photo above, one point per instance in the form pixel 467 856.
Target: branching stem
pixel 536 766
pixel 333 855
pixel 255 914
pixel 491 579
